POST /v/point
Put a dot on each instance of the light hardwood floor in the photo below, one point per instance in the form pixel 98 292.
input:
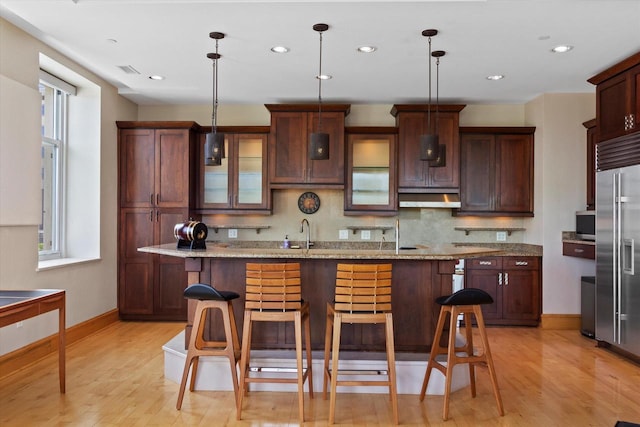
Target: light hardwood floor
pixel 115 378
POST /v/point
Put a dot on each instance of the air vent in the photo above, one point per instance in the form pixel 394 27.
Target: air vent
pixel 128 69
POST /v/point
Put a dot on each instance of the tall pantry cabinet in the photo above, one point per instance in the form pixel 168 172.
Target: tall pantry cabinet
pixel 155 168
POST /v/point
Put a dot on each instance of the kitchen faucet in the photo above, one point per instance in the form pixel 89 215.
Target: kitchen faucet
pixel 308 231
pixel 397 236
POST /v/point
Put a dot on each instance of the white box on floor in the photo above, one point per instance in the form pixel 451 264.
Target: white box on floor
pixel 213 372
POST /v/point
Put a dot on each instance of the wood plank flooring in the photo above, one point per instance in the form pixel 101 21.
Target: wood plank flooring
pixel 115 378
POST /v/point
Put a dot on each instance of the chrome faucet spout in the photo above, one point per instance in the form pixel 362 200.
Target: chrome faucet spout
pixel 308 243
pixel 397 236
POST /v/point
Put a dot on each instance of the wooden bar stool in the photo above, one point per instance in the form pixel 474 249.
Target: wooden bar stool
pixel 363 295
pixel 466 301
pixel 273 294
pixel 210 299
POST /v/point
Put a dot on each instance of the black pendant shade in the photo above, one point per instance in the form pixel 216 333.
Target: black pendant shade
pixel 214 149
pixel 429 147
pixel 319 146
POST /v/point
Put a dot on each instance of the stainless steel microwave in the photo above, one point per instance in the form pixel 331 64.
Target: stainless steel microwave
pixel 586 225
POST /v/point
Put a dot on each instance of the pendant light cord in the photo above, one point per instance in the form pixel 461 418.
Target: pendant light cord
pixel 437 90
pixel 429 109
pixel 214 114
pixel 320 88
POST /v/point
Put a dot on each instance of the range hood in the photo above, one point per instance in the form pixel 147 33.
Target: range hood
pixel 429 200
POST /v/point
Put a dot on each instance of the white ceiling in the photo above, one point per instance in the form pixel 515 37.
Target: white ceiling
pixel 481 38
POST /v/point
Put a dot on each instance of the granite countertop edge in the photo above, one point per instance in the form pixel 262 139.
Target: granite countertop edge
pixel 445 252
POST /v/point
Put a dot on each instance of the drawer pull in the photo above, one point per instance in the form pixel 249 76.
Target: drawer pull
pixel 522 262
pixel 484 262
pixel 578 250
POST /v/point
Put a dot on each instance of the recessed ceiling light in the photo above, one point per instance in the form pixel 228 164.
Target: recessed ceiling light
pixel 367 49
pixel 156 77
pixel 562 48
pixel 324 77
pixel 495 77
pixel 280 49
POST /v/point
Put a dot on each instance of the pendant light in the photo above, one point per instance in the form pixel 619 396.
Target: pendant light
pixel 429 143
pixel 214 145
pixel 440 161
pixel 319 141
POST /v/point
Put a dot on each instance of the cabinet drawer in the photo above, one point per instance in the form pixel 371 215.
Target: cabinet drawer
pixel 579 250
pixel 521 263
pixel 486 263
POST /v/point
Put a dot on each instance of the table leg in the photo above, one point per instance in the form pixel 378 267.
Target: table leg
pixel 61 345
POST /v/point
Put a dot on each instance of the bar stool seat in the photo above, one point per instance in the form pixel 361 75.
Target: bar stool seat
pixel 363 295
pixel 210 299
pixel 273 294
pixel 466 302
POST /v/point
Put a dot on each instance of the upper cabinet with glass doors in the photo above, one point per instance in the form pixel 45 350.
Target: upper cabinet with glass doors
pixel 371 173
pixel 239 184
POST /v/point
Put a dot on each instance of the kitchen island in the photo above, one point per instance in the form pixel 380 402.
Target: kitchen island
pixel 420 275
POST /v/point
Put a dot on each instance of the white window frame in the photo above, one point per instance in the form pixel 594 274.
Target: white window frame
pixel 54 145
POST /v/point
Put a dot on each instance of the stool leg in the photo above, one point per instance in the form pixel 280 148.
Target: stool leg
pixel 468 348
pixel 335 348
pixel 391 364
pixel 231 342
pixel 435 347
pixel 298 338
pixel 327 349
pixel 306 320
pixel 195 331
pixel 485 342
pixel 244 359
pixel 451 361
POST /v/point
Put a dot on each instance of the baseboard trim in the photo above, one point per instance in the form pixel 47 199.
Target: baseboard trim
pixel 560 321
pixel 31 353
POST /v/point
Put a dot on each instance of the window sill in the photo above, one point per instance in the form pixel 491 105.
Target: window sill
pixel 62 262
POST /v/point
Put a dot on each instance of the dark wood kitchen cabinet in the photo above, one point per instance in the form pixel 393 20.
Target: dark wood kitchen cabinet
pixel 496 165
pixel 418 176
pixel 239 185
pixel 513 283
pixel 156 173
pixel 591 163
pixel 618 99
pixel 289 163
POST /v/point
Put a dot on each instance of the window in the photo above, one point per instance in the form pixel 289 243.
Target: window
pixel 54 113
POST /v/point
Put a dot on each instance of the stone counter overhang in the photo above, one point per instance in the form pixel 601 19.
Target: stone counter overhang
pixel 349 251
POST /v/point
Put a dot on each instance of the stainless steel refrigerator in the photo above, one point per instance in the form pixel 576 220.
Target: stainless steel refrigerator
pixel 617 281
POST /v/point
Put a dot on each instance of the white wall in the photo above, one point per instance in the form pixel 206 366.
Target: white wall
pixel 560 191
pixel 91 286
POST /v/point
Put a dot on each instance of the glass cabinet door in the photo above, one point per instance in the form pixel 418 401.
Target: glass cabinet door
pixel 371 178
pixel 250 176
pixel 216 180
pixel 239 183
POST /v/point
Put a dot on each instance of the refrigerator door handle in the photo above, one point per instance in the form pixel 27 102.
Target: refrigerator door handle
pixel 628 255
pixel 617 228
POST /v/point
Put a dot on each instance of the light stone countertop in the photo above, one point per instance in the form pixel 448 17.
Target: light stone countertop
pixel 422 252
